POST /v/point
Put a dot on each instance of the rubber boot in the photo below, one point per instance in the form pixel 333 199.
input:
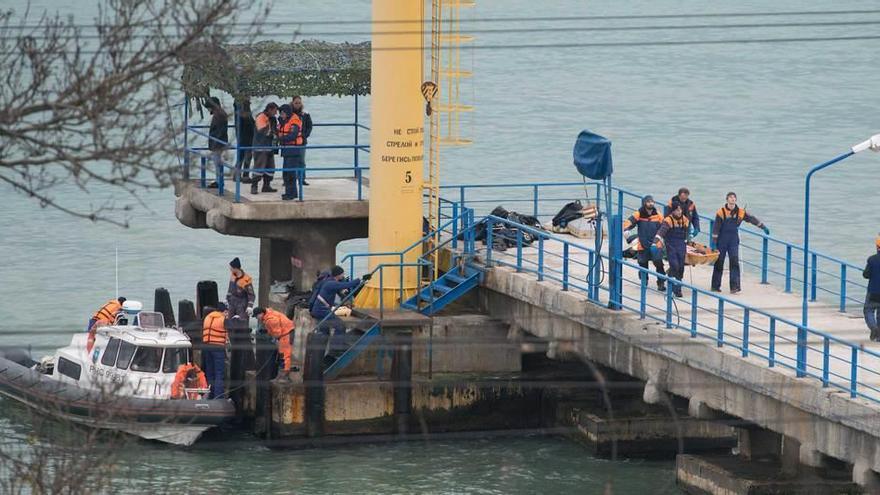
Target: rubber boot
pixel 266 186
pixel 255 184
pixel 661 286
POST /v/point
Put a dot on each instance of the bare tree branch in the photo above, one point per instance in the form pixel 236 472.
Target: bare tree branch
pixel 89 109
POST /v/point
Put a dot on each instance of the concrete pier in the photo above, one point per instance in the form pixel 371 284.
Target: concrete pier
pixel 297 238
pixel 823 420
pixel 732 475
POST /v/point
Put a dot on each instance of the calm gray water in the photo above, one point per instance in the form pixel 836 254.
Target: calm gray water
pixel 744 117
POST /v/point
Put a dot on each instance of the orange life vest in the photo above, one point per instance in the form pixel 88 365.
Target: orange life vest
pixel 179 383
pixel 287 128
pixel 243 281
pixel 214 329
pixel 107 313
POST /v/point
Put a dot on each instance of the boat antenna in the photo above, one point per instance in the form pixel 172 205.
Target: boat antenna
pixel 117 270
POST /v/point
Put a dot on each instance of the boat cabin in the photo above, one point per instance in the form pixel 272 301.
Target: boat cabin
pixel 137 356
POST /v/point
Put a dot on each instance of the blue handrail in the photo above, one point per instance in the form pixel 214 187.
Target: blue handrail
pixel 743 330
pixel 776 257
pixel 197 151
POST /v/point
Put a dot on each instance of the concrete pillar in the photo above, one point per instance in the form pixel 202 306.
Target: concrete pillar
pixel 865 477
pixel 653 393
pixel 790 456
pixel 298 261
pixel 755 443
pixel 811 457
pixel 699 410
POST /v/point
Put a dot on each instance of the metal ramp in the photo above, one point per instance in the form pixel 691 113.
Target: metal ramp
pixel 445 290
pixel 373 331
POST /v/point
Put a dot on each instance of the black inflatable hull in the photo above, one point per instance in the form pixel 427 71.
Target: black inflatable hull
pixel 173 421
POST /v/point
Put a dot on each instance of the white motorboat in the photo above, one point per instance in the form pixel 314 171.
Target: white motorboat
pixel 122 381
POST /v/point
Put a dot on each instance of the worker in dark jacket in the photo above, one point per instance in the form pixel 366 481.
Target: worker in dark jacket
pixel 725 235
pixel 872 298
pixel 323 307
pixel 218 134
pixel 264 159
pixel 306 118
pixel 688 208
pixel 240 294
pixel 674 233
pixel 245 131
pixel 647 222
pixel 290 135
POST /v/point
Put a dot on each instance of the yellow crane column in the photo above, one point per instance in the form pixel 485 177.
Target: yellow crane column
pixel 396 147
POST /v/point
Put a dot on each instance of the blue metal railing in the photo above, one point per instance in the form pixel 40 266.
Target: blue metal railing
pixel 727 322
pixel 462 224
pixel 189 151
pixel 831 278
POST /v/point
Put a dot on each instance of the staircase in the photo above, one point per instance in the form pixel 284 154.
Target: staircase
pixel 369 329
pixel 445 290
pixel 436 296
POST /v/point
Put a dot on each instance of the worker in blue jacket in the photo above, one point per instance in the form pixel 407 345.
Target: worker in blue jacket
pixel 725 235
pixel 673 234
pixel 323 306
pixel 647 222
pixel 872 298
pixel 688 208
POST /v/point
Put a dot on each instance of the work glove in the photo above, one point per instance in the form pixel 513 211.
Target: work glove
pixel 249 311
pixel 766 230
pixel 366 277
pixel 655 251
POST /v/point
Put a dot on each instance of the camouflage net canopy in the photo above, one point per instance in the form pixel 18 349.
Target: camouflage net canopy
pixel 270 68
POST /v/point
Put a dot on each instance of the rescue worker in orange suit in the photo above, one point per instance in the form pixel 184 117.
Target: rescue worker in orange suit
pixel 214 349
pixel 647 222
pixel 107 314
pixel 280 328
pixel 688 208
pixel 725 235
pixel 673 233
pixel 290 135
pixel 240 294
pixel 188 376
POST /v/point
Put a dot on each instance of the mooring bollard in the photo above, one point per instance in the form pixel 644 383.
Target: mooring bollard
pixel 401 376
pixel 313 378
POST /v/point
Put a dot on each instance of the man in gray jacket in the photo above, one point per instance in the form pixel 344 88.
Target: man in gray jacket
pixel 240 295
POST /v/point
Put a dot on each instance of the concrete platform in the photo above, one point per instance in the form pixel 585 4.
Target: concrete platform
pixel 732 475
pixel 325 198
pixel 824 317
pixel 297 238
pixel 649 433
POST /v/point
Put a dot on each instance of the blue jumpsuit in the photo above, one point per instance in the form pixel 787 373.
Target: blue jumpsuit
pixel 647 223
pixel 689 208
pixel 322 307
pixel 726 236
pixel 871 308
pixel 292 158
pixel 675 231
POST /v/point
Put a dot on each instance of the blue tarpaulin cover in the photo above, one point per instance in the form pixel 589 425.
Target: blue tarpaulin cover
pixel 592 155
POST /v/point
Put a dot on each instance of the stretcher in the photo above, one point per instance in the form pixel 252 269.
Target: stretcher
pixel 699 254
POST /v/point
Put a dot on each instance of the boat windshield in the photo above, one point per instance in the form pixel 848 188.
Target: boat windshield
pixel 174 357
pixel 147 359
